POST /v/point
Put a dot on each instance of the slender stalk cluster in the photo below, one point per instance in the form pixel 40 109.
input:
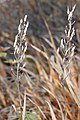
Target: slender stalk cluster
pixel 66 46
pixel 20 44
pixel 20 47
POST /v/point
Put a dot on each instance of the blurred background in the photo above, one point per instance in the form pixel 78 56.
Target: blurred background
pixel 42 14
pixel 54 11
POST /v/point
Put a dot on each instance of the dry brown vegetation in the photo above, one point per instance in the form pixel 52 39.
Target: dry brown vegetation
pixel 40 72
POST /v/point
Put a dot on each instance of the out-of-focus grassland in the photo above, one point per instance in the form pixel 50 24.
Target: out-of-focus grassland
pixel 43 92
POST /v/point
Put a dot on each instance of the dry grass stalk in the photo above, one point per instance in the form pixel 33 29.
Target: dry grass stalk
pixel 9 92
pixel 52 112
pixel 2 98
pixel 20 47
pixel 67 49
pixel 61 71
pixel 24 107
pixel 53 82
